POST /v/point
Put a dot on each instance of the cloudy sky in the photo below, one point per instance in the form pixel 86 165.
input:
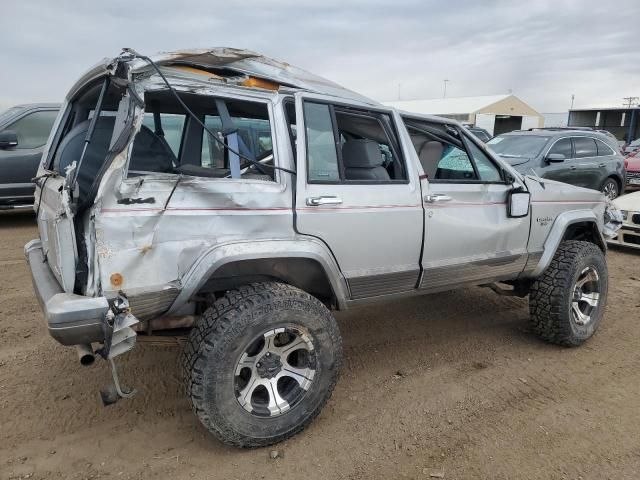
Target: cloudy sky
pixel 541 50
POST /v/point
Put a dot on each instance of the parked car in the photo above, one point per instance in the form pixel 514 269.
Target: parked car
pixel 481 133
pixel 634 146
pixel 351 202
pixel 632 166
pixel 582 158
pixel 23 133
pixel 629 234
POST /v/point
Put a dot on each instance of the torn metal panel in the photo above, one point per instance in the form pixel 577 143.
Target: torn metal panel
pixel 253 64
pixel 244 63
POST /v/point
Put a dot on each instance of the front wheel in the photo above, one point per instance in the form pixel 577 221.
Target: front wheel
pixel 567 302
pixel 261 363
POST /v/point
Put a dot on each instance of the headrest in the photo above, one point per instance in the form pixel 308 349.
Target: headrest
pixel 361 153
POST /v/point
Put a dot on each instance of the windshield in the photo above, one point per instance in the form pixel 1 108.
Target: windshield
pixel 517 146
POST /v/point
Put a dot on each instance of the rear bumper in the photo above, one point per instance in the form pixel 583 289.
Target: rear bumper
pixel 72 319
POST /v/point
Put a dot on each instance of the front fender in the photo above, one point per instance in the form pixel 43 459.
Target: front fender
pixel 557 233
pixel 215 257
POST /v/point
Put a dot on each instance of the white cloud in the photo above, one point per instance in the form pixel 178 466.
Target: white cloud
pixel 542 50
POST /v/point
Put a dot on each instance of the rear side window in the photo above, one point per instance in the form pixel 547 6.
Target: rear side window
pixel 562 147
pixel 33 130
pixel 236 143
pixel 603 149
pixel 169 126
pixel 585 147
pixel 254 139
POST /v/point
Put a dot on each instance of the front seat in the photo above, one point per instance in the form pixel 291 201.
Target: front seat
pixel 430 154
pixel 363 160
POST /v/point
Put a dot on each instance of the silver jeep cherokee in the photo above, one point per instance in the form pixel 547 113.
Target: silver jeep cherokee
pixel 236 200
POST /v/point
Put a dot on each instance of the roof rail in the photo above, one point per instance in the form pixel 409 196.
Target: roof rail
pixel 560 128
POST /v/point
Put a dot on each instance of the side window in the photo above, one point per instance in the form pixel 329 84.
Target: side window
pixel 33 130
pixel 603 149
pixel 585 147
pixel 368 146
pixel 322 156
pixel 563 147
pixel 445 156
pixel 240 144
pixel 366 150
pixel 487 171
pixel 254 139
pixel 170 127
pixel 454 164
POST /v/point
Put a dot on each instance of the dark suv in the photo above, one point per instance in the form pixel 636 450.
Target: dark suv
pixel 24 130
pixel 583 158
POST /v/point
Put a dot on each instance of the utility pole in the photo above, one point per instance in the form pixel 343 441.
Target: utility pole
pixel 630 101
pixel 573 97
pixel 444 93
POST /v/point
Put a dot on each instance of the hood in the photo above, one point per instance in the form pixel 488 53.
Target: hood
pixel 227 62
pixel 633 163
pixel 629 202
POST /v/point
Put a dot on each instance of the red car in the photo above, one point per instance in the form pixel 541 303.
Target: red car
pixel 632 165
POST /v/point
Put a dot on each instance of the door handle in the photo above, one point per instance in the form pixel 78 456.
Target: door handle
pixel 437 197
pixel 602 165
pixel 573 167
pixel 316 201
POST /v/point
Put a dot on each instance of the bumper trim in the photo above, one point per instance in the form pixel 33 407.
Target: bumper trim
pixel 72 319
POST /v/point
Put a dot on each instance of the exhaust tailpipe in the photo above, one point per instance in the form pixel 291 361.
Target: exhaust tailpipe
pixel 85 354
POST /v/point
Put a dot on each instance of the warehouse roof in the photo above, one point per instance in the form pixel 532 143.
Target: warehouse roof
pixel 448 106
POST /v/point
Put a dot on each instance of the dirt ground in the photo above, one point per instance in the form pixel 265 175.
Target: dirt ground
pixel 450 385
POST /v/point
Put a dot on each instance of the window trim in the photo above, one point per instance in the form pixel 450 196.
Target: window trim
pixel 393 138
pixel 501 172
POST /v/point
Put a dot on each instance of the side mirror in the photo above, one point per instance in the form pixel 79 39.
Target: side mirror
pixel 518 203
pixel 8 139
pixel 555 158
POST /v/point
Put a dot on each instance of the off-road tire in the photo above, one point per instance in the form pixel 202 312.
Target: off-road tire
pixel 217 340
pixel 551 294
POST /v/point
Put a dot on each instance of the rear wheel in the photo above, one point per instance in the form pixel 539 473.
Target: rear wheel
pixel 261 363
pixel 567 302
pixel 610 188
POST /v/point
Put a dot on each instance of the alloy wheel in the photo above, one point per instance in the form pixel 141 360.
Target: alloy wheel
pixel 586 296
pixel 275 372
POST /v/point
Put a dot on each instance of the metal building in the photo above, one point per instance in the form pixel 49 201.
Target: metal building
pixel 495 113
pixel 623 122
